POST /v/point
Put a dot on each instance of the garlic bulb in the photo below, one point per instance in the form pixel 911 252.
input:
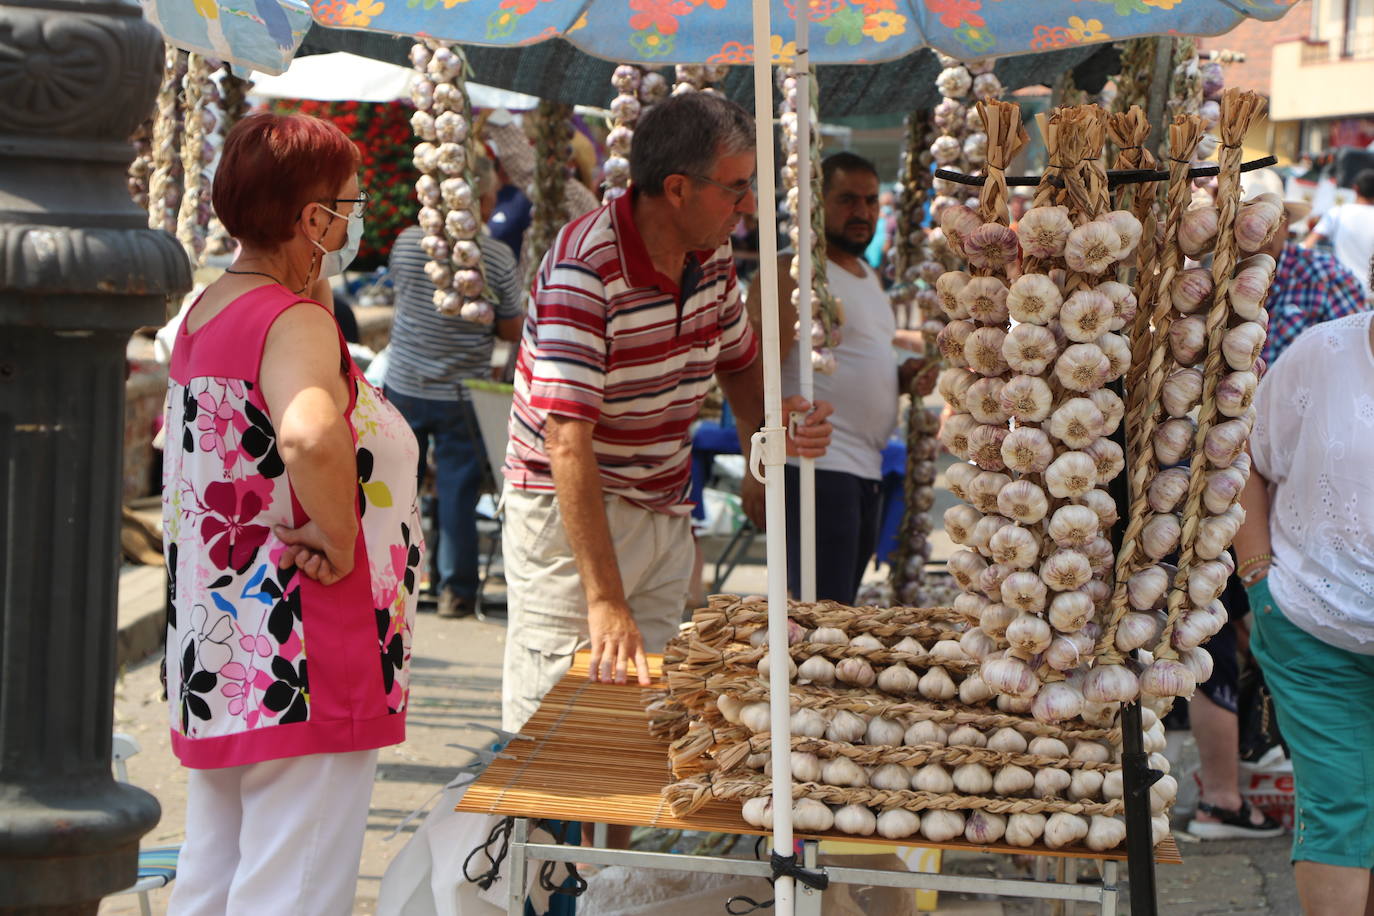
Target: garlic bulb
pixel 1199 662
pixel 1044 231
pixel 856 820
pixel 936 684
pixel 756 717
pixel 1012 780
pixel 1066 570
pixel 1104 832
pixel 1187 339
pixel 983 351
pixel 964 566
pixel 954 384
pixel 1167 490
pixel 983 401
pixel 1034 299
pixel 1166 677
pixel 1008 741
pixel 991 246
pixel 942 826
pixel 1057 702
pixel 1118 352
pixel 1191 288
pixel 972 779
pixel 1082 367
pixel 1173 440
pixel 984 299
pixel 1136 630
pixel 951 339
pixel 981 538
pixel 1070 475
pixel 1159 537
pixel 959 520
pixel 982 490
pixel 1024 591
pixel 829 636
pixel 970 607
pixel 1225 442
pixel 1092 247
pixel 925 732
pixel 1067 614
pixel 1112 783
pixel 1014 705
pixel 1076 422
pixel 1085 785
pixel 973 689
pixel 982 827
pixel 994 622
pixel 758 812
pixel 1190 631
pixel 1064 829
pixel 967 736
pixel 1162 794
pixel 1026 449
pixel 1206 582
pixel 765 667
pixel 855 671
pixel 1063 653
pixel 729 708
pixel 957 222
pixel 1051 782
pixel 1025 829
pixel 1010 675
pixel 1111 406
pixel 1102 504
pixel 1124 304
pixel 1243 344
pixel 891 777
pixel 1128 230
pixel 898 680
pixel 949 286
pixel 816 670
pixel 1256 223
pixel 808 722
pixel 1197 233
pixel 1249 289
pixel 1108 458
pixel 977 644
pixel 1019 500
pixel 843 772
pixel 1029 634
pixel 1110 684
pixel 845 726
pixel 907 644
pixel 898 823
pixel 1026 398
pixel 1182 391
pixel 1086 315
pixel 883 732
pixel 1029 348
pixel 1236 392
pixel 810 816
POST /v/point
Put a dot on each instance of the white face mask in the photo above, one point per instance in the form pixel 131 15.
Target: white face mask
pixel 336 262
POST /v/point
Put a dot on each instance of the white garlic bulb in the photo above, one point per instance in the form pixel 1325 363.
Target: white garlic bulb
pixel 891 777
pixel 845 727
pixel 1236 392
pixel 1108 457
pixel 983 351
pixel 1024 591
pixel 1166 677
pixel 1067 614
pixel 1051 782
pixel 1128 230
pixel 1025 829
pixel 959 521
pixel 1086 315
pixel 1027 450
pixel 1160 535
pixel 1057 702
pixel 972 779
pixel 1105 832
pixel 856 820
pixel 925 732
pixel 884 732
pixel 867 642
pixel 1206 582
pixel 1073 526
pixel 1111 407
pixel 1012 780
pixel 971 606
pixel 756 717
pixel 855 671
pixel 1029 634
pixel 1044 231
pixel 994 620
pixel 1076 422
pixel 1029 348
pixel 843 772
pixel 810 816
pixel 942 826
pixel 1082 367
pixel 816 670
pixel 908 644
pixel 976 644
pixel 983 400
pixel 982 491
pixel 1181 392
pixel 898 680
pixel 829 636
pixel 1064 829
pixel 898 823
pixel 936 684
pixel 948 286
pixel 808 723
pixel 1124 304
pixel 954 384
pixel 1066 570
pixel 758 811
pixel 1110 684
pixel 967 736
pixel 984 299
pixel 1092 247
pixel 973 689
pixel 1020 500
pixel 1026 398
pixel 1009 675
pixel 1085 785
pixel 1071 475
pixel 1136 630
pixel 1187 339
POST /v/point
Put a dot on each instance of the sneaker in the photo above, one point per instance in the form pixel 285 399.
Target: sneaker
pixel 453 606
pixel 1233 825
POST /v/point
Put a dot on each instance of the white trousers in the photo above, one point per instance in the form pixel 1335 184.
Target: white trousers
pixel 280 838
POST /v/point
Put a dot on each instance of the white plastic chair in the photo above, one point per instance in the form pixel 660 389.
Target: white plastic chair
pixel 157 867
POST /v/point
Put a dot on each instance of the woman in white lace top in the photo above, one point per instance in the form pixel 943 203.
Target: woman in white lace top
pixel 1306 554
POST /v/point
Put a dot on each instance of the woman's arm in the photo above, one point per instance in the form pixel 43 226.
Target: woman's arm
pixel 306 397
pixel 1252 545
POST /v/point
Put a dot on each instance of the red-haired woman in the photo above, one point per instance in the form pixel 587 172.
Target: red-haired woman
pixel 292 541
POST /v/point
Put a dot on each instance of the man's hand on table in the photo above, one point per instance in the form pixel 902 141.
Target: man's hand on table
pixel 616 644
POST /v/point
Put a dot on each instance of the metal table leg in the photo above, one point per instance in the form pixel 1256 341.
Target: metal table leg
pixel 808 900
pixel 519 864
pixel 1111 874
pixel 599 835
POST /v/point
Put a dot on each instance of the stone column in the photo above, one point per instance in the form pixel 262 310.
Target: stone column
pixel 79 271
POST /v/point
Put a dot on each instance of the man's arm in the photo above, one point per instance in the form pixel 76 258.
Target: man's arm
pixel 616 640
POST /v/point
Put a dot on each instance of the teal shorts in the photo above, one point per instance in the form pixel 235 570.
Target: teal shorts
pixel 1324 697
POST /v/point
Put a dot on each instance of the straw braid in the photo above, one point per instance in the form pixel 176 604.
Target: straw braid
pixel 706 658
pixel 1239 109
pixel 1144 415
pixel 873 755
pixel 1006 138
pixel 190 229
pixel 166 151
pixel 1129 130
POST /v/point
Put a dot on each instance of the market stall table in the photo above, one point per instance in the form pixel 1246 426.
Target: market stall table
pixel 590 757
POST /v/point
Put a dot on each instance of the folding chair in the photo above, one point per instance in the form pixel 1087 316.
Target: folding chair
pixel 157 867
pixel 491 403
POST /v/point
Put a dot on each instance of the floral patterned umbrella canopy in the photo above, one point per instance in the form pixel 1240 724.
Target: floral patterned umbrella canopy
pixel 264 34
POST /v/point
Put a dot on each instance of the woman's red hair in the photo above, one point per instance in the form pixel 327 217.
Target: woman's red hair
pixel 271 166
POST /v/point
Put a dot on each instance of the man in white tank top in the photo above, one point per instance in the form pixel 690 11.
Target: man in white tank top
pixel 863 388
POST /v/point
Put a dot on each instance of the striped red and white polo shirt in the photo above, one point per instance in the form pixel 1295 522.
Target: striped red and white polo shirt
pixel 612 341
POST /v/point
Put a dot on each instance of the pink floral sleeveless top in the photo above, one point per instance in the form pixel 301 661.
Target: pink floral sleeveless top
pixel 263 663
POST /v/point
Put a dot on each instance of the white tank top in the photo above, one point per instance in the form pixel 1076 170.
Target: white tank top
pixel 863 388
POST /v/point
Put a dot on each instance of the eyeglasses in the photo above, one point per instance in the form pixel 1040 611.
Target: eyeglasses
pixel 359 203
pixel 738 190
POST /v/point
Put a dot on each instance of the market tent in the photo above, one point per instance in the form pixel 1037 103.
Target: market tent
pixel 342 76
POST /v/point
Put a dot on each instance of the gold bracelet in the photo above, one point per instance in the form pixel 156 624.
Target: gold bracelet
pixel 1244 567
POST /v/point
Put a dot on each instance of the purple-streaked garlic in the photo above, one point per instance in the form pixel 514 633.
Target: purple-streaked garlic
pixel 1256 222
pixel 1013 546
pixel 1159 536
pixel 1029 634
pixel 1190 289
pixel 1167 677
pixel 959 521
pixel 1187 339
pixel 1010 675
pixel 1118 352
pixel 983 351
pixel 1057 702
pixel 977 644
pixel 856 671
pixel 1071 475
pixel 1225 441
pixel 1167 490
pixel 1214 535
pixel 1242 345
pixel 1069 611
pixel 1236 392
pixel 1136 630
pixel 1181 392
pixel 985 446
pixel 1027 398
pixel 991 246
pixel 990 579
pixel 1027 450
pixel 1199 662
pixel 1034 299
pixel 984 299
pixel 984 827
pixel 1102 504
pixel 995 619
pixel 958 477
pixel 1174 440
pixel 1082 367
pixel 983 489
pixel 950 284
pixel 1076 422
pixel 1044 231
pixel 1222 488
pixel 1206 582
pixel 1020 500
pixel 1100 553
pixel 1092 247
pixel 951 341
pixel 1197 234
pixel 1072 526
pixel 1111 406
pixel 954 384
pixel 1124 305
pixel 1066 570
pixel 1063 654
pixel 955 432
pixel 983 399
pixel 1110 684
pixel 957 221
pixel 1145 590
pixel 1086 315
pixel 1024 591
pixel 1029 348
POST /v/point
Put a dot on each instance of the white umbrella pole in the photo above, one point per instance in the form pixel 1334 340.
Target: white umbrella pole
pixel 769 448
pixel 807 497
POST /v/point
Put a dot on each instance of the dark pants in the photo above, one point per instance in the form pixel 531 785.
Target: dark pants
pixel 847 509
pixel 457 483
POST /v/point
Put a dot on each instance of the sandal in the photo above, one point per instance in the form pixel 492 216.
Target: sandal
pixel 1232 825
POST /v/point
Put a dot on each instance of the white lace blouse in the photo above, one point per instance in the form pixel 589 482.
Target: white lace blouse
pixel 1314 442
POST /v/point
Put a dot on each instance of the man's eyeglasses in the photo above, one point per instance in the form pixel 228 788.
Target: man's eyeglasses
pixel 359 203
pixel 738 190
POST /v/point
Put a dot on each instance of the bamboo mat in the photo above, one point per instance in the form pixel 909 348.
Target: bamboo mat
pixel 591 758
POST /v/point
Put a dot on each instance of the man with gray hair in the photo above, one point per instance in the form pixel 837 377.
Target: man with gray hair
pixel 635 308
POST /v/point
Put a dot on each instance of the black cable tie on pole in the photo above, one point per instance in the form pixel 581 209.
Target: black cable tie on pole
pixel 749 903
pixel 1115 177
pixel 787 865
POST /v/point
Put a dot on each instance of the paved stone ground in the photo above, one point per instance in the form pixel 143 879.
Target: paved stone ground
pixel 456 682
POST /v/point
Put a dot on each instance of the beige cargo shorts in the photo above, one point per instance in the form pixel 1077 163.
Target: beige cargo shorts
pixel 547 622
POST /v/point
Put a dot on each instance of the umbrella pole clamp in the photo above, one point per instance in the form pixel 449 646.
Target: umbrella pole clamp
pixel 767 449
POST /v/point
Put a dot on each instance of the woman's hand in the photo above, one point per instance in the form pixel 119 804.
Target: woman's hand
pixel 313 553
